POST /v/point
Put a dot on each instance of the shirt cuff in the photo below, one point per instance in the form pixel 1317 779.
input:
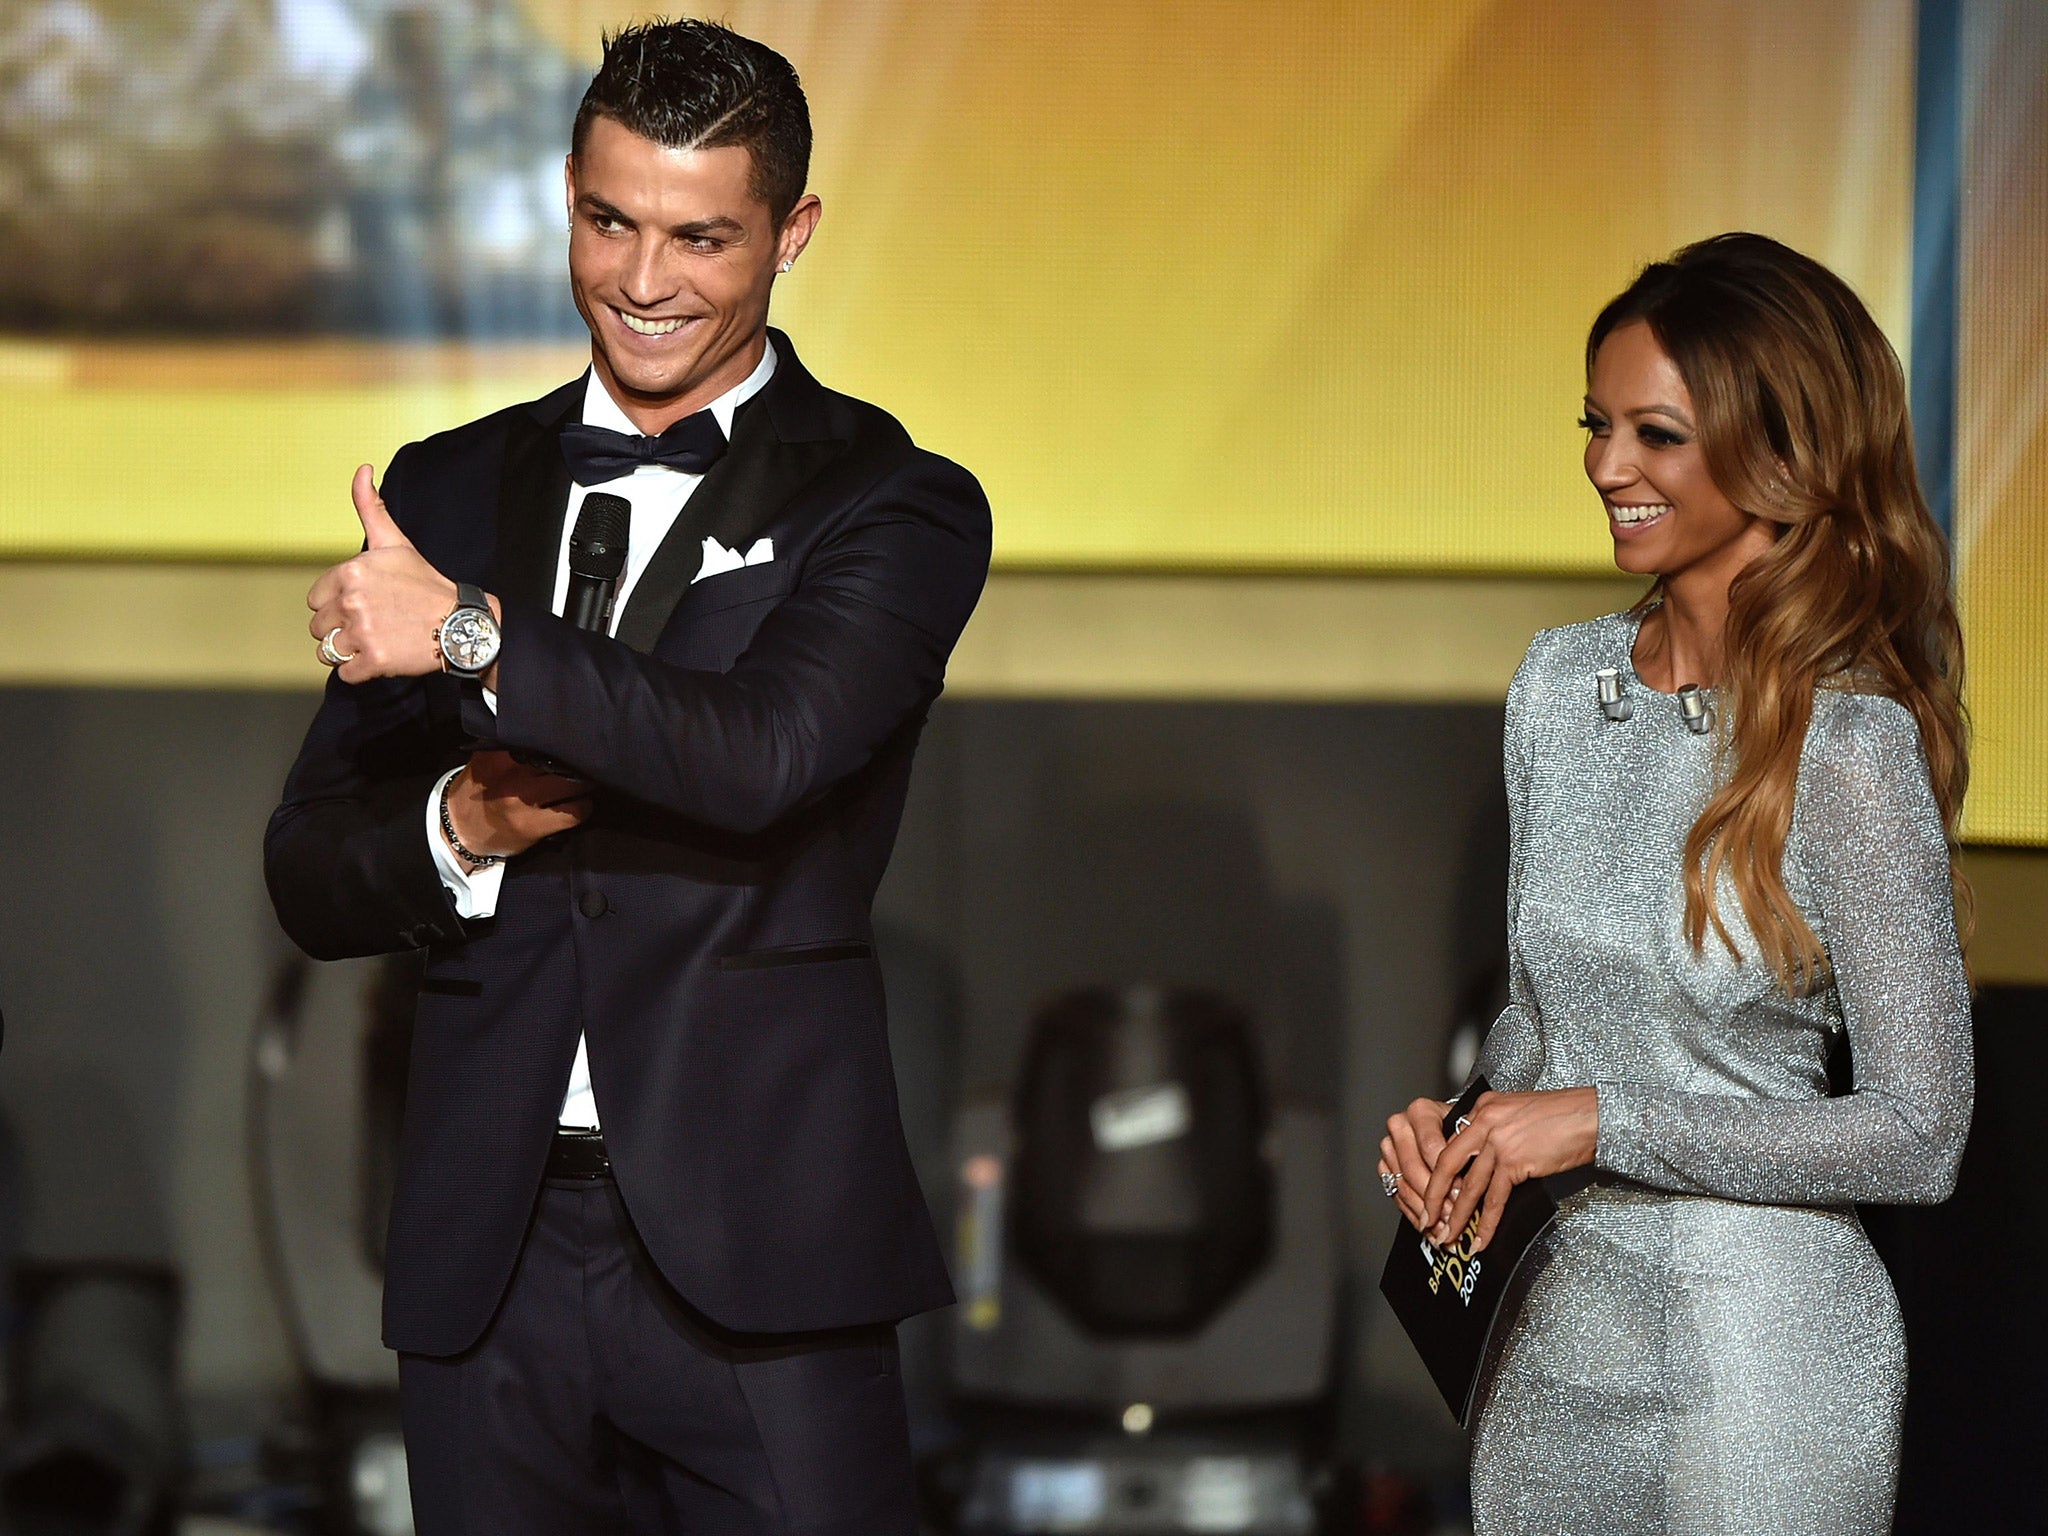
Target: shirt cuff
pixel 475 892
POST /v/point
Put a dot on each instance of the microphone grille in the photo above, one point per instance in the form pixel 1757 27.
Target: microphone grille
pixel 598 546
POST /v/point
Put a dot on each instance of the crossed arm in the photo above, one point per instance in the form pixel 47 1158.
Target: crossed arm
pixel 833 672
pixel 381 611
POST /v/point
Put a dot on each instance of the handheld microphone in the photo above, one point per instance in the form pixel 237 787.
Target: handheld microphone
pixel 597 558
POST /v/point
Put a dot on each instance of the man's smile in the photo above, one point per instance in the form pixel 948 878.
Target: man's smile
pixel 642 326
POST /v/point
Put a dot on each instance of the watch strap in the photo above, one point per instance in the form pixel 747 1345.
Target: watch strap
pixel 469 595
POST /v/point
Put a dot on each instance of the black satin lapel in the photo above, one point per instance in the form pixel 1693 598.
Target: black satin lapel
pixel 533 498
pixel 741 494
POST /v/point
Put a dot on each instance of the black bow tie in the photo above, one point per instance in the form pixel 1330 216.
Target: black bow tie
pixel 598 454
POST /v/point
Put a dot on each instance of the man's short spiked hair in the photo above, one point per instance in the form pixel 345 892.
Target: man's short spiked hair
pixel 698 85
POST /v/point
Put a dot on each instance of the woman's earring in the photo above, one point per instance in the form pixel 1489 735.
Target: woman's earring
pixel 787 265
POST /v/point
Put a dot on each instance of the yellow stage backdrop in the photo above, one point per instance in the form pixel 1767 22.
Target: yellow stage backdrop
pixel 1299 287
pixel 2002 409
pixel 1188 285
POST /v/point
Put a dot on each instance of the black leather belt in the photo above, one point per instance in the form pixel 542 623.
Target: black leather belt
pixel 578 1155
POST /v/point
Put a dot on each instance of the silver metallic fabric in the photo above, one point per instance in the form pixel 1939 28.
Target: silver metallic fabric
pixel 1706 1342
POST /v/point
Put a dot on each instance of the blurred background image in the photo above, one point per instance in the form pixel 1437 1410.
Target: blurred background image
pixel 335 167
pixel 1263 327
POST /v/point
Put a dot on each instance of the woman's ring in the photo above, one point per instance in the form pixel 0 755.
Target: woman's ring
pixel 1390 1182
pixel 329 656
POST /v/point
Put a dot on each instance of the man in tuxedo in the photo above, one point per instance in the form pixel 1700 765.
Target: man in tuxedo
pixel 655 1220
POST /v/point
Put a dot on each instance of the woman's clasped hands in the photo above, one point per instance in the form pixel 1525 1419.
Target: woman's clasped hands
pixel 1508 1137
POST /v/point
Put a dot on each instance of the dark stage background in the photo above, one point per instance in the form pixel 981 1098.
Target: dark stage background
pixel 1338 869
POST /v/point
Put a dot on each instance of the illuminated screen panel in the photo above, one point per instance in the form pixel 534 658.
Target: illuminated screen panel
pixel 2002 407
pixel 1294 287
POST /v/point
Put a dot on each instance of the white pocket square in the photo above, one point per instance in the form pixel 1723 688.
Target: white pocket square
pixel 718 559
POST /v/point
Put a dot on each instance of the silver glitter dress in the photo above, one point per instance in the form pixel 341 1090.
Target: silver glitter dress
pixel 1707 1342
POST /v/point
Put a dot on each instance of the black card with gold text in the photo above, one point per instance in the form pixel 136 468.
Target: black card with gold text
pixel 1448 1298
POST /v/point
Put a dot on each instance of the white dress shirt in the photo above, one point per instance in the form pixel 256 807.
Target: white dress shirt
pixel 658 495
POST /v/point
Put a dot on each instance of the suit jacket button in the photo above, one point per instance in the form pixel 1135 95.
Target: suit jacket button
pixel 593 904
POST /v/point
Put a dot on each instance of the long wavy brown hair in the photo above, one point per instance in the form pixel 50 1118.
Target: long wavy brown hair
pixel 1801 405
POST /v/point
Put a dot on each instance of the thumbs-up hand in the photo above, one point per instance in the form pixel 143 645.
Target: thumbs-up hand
pixel 379 531
pixel 379 612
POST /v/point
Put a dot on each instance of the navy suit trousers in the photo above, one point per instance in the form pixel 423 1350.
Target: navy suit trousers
pixel 598 1402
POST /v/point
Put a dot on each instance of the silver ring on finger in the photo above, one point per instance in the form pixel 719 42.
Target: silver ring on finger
pixel 329 656
pixel 1390 1182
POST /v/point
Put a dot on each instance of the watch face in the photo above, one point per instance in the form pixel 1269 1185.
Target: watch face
pixel 469 640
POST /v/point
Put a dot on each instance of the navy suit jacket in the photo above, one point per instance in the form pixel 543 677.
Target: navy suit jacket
pixel 750 735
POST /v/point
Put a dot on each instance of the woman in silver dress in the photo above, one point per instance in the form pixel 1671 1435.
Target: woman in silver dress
pixel 1711 887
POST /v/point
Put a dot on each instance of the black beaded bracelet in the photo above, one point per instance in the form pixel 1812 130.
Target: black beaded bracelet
pixel 474 860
